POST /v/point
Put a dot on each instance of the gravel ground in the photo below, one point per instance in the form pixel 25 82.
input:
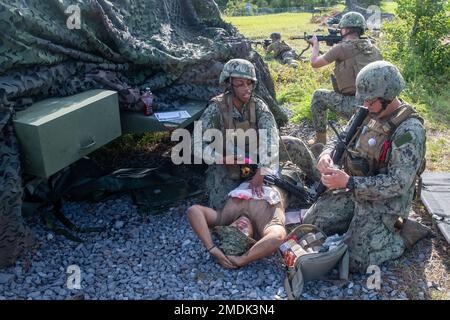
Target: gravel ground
pixel 159 257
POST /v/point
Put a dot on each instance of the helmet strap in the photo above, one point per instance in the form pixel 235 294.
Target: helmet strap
pixel 384 105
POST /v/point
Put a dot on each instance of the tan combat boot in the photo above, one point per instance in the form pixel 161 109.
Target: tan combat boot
pixel 412 231
pixel 321 137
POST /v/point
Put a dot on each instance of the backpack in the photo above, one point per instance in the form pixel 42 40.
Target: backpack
pixel 313 266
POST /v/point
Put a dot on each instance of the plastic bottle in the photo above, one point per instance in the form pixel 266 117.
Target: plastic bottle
pixel 147 98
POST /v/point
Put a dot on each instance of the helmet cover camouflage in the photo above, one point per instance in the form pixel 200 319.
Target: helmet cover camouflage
pixel 233 241
pixel 275 36
pixel 238 68
pixel 353 20
pixel 379 79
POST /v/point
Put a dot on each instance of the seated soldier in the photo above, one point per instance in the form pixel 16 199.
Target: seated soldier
pixel 282 51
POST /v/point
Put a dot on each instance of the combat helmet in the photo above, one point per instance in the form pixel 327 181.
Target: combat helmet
pixel 275 36
pixel 232 241
pixel 238 68
pixel 379 79
pixel 353 20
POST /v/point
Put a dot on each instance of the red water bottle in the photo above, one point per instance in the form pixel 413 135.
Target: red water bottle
pixel 147 98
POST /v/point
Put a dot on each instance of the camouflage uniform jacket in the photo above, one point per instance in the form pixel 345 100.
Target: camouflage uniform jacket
pixel 212 119
pixel 392 191
pixel 278 47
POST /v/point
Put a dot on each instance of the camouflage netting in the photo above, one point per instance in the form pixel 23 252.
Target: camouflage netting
pixel 176 47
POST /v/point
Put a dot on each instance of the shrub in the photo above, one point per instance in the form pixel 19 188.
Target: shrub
pixel 418 39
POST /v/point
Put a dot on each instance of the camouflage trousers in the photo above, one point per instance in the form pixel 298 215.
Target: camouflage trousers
pixel 371 236
pixel 219 183
pixel 324 100
pixel 289 57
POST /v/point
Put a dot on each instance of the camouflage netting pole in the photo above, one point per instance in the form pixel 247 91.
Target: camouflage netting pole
pixel 62 47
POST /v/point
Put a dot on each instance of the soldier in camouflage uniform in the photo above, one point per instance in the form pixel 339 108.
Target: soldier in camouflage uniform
pixel 350 55
pixel 376 186
pixel 236 108
pixel 282 51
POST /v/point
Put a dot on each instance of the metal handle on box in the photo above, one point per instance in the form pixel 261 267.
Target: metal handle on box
pixel 88 145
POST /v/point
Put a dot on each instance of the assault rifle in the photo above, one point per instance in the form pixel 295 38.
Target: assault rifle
pixel 342 145
pixel 264 43
pixel 331 39
pixel 300 192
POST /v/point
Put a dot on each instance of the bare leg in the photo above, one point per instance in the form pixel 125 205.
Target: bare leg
pixel 272 238
pixel 201 218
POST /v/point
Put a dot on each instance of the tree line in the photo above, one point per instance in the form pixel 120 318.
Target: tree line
pixel 224 4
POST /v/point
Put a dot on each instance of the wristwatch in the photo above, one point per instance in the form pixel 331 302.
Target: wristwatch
pixel 350 184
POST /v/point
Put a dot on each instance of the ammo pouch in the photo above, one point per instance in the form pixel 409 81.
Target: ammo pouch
pixel 357 166
pixel 334 83
pixel 313 266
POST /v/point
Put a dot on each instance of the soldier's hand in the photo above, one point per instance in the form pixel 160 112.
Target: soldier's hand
pixel 238 261
pixel 313 40
pixel 222 259
pixel 256 184
pixel 325 163
pixel 335 179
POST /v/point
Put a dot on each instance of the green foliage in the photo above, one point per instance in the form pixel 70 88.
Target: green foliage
pixel 418 39
pixel 430 95
pixel 235 6
pixel 389 6
pixel 415 43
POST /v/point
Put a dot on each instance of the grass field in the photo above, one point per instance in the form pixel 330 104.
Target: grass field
pixel 389 6
pixel 294 88
pixel 260 27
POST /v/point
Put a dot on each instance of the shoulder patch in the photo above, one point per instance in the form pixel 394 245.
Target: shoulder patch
pixel 403 139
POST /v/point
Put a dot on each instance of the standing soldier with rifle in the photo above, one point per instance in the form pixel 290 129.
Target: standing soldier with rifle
pixel 372 194
pixel 350 56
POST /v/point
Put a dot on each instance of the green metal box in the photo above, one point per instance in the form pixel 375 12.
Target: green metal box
pixel 56 132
